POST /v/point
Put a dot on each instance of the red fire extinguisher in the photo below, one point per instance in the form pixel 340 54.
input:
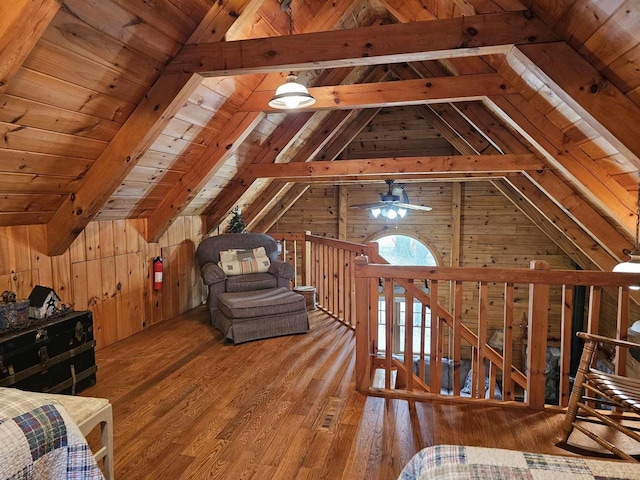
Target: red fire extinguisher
pixel 157 273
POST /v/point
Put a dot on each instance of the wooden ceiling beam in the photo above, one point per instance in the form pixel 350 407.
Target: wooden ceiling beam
pixel 167 95
pixel 586 216
pixel 551 189
pixel 113 165
pixel 398 167
pixel 22 23
pixel 455 176
pixel 446 118
pixel 328 16
pixel 574 80
pixel 555 223
pixel 562 153
pixel 278 141
pixel 392 94
pixel 329 127
pixel 195 179
pixel 329 153
pixel 394 43
pixel 284 203
pixel 329 133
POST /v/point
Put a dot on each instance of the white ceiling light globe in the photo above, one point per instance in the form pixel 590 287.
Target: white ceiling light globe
pixel 291 94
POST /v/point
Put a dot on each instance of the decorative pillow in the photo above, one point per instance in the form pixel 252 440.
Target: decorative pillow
pixel 241 262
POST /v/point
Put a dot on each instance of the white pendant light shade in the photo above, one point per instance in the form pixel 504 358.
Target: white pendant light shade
pixel 633 264
pixel 291 94
pixel 630 266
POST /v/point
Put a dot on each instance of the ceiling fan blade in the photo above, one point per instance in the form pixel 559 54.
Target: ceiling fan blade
pixel 369 205
pixel 411 206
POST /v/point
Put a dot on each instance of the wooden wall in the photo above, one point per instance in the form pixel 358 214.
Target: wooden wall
pixel 108 270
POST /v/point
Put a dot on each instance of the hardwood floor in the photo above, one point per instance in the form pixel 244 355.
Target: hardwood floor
pixel 187 406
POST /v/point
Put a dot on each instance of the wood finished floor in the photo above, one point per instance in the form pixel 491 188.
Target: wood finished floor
pixel 187 406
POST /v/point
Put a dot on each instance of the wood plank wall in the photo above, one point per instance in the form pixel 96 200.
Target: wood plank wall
pixel 493 233
pixel 108 270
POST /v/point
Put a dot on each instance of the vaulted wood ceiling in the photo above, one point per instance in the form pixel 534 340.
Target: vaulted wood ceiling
pixel 117 109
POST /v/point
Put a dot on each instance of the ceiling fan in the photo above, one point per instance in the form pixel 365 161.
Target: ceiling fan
pixel 392 204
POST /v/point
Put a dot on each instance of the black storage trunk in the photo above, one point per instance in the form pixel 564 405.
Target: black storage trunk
pixel 57 356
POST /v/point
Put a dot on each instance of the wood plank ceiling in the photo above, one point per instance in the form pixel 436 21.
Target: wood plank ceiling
pixel 118 109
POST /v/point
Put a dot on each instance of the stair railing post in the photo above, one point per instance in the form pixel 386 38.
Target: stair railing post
pixel 537 335
pixel 363 347
pixel 306 260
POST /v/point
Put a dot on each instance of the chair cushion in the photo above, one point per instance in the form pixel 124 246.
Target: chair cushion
pixel 250 281
pixel 259 303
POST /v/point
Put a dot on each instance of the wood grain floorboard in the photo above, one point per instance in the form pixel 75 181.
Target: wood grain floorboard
pixel 188 406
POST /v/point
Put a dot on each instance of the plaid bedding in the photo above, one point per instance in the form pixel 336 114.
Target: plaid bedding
pixel 447 462
pixel 39 440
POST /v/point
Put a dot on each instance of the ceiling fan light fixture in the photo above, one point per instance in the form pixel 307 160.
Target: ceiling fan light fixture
pixel 392 213
pixel 402 212
pixel 376 212
pixel 291 94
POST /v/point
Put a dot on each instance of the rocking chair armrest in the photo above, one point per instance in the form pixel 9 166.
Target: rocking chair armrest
pixel 608 340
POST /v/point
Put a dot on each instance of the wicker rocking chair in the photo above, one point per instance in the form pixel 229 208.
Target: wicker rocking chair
pixel 593 386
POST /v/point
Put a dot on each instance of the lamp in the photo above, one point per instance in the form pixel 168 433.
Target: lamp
pixel 291 94
pixel 390 212
pixel 633 264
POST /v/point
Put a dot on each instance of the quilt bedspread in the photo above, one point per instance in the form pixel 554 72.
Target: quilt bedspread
pixel 448 462
pixel 39 440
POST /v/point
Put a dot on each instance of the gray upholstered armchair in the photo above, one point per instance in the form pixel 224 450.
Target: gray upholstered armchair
pixel 279 274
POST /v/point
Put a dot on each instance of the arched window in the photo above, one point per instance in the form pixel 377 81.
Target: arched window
pixel 398 249
pixel 405 250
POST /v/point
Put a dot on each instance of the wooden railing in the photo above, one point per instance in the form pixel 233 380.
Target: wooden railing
pixel 327 265
pixel 398 368
pixel 352 280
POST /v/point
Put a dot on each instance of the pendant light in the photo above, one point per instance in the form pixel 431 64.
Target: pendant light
pixel 291 94
pixel 633 264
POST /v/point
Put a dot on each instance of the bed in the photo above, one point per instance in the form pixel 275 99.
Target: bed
pixel 450 462
pixel 40 440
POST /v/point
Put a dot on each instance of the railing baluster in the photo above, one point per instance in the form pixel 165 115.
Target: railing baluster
pixel 408 336
pixel 350 313
pixel 364 348
pixel 389 329
pixel 483 304
pixel 457 335
pixel 507 343
pixel 341 284
pixel 566 319
pixel 622 326
pixel 537 334
pixel 593 319
pixel 435 375
pixel 423 331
